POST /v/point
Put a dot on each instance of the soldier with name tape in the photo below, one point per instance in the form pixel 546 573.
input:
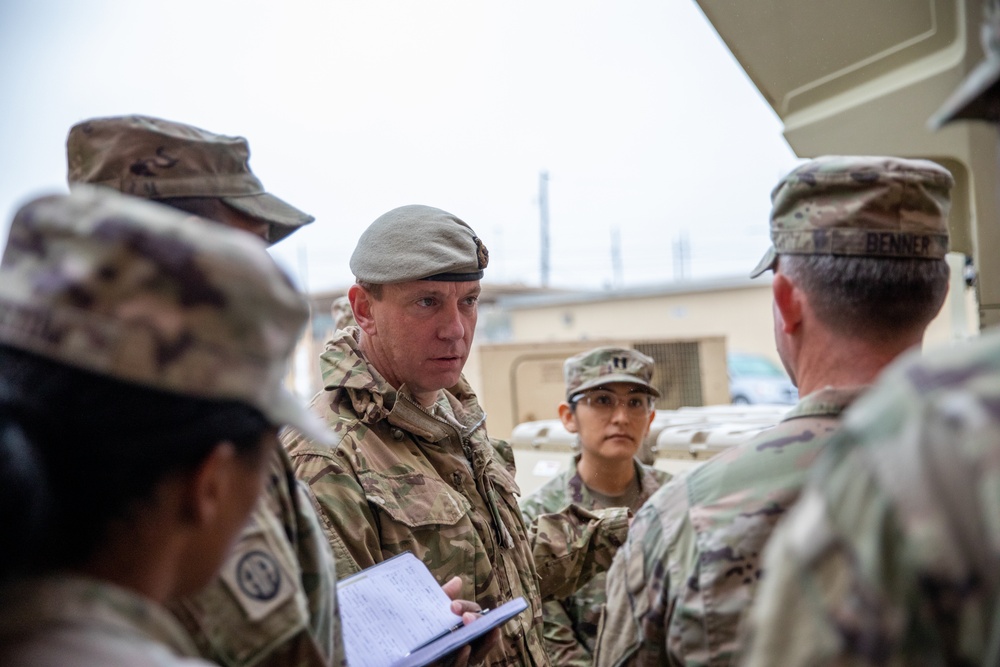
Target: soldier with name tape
pixel 892 556
pixel 858 257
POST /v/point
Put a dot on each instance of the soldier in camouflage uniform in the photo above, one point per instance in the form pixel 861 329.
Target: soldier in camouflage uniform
pixel 609 405
pixel 892 556
pixel 142 360
pixel 413 468
pixel 859 271
pixel 292 620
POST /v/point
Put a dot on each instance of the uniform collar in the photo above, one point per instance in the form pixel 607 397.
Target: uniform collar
pixel 825 402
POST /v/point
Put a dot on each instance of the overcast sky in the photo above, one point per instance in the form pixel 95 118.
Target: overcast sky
pixel 635 108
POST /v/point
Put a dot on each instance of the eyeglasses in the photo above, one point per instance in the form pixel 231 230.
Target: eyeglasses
pixel 607 402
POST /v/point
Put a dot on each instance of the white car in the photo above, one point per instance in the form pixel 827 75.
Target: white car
pixel 756 379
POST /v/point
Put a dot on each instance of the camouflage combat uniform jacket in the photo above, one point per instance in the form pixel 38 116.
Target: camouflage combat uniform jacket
pixel 570 624
pixel 892 556
pixel 274 601
pixel 57 621
pixel 679 586
pixel 430 481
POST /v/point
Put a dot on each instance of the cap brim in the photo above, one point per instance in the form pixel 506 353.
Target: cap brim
pixel 284 217
pixel 766 262
pixel 969 101
pixel 287 410
pixel 608 379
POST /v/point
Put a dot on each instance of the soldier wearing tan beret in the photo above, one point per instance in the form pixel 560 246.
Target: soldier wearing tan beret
pixel 413 468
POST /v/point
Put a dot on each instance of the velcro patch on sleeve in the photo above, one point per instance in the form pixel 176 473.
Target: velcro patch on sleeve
pixel 257 575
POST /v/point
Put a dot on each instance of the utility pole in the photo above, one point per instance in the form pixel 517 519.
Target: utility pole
pixel 543 209
pixel 616 257
pixel 682 255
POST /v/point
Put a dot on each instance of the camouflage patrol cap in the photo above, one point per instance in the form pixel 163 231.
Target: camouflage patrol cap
pixel 145 294
pixel 156 159
pixel 860 206
pixel 418 243
pixel 978 96
pixel 604 365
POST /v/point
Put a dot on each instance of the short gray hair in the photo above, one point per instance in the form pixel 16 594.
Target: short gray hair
pixel 373 289
pixel 870 296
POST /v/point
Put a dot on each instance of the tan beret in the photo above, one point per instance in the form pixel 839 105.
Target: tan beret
pixel 418 243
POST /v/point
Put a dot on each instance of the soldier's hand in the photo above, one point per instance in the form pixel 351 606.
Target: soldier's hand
pixel 474 653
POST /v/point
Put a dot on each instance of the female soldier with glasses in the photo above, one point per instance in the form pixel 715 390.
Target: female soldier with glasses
pixel 609 405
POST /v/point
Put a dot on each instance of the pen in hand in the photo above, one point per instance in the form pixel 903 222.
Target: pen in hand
pixel 446 632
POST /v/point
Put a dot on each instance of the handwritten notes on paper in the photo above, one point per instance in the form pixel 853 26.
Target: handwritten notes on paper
pixel 390 609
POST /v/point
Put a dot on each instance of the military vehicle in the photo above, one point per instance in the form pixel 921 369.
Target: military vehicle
pixel 862 77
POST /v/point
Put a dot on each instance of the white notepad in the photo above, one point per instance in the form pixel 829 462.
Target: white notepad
pixel 395 614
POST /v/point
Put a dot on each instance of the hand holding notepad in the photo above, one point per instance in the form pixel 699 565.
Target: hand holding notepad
pixel 395 614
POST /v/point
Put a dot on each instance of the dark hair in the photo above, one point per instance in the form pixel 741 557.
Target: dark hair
pixel 876 297
pixel 79 450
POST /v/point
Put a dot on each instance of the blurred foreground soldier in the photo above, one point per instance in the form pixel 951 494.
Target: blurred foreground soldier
pixel 280 607
pixel 142 358
pixel 859 271
pixel 343 316
pixel 609 405
pixel 413 468
pixel 893 554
